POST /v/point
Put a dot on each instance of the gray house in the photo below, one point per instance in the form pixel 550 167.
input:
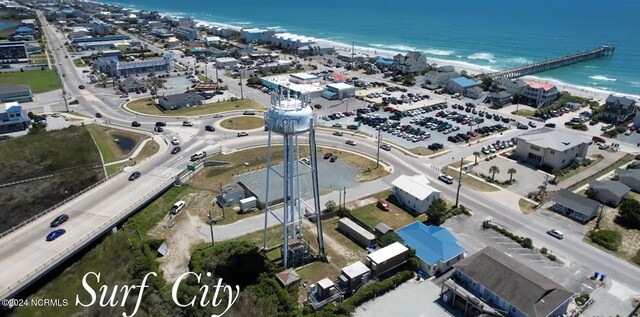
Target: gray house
pixel 553 148
pixel 493 283
pixel 630 177
pixel 177 101
pixel 575 206
pixel 130 84
pixel 618 109
pixel 608 192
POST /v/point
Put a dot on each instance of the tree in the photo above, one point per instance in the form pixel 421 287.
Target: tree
pixel 493 170
pixel 330 206
pixel 487 82
pixel 511 171
pixel 253 81
pixel 476 154
pixel 437 212
pixel 629 215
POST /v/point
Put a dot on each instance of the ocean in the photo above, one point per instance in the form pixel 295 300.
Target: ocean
pixel 493 34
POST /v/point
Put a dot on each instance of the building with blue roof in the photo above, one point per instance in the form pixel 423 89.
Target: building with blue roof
pixel 383 61
pixel 436 248
pixel 459 85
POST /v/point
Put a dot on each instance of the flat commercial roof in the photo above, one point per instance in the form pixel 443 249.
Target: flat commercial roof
pixel 341 86
pixel 325 283
pixel 356 269
pixel 304 76
pixel 387 252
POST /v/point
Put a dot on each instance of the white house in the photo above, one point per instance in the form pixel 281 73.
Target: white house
pixel 550 147
pixel 439 78
pixel 213 40
pixel 414 193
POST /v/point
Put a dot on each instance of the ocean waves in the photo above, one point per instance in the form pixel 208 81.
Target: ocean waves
pixel 602 78
pixel 482 56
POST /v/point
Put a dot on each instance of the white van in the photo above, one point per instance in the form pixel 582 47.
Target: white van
pixel 198 156
pixel 177 207
pixel 175 141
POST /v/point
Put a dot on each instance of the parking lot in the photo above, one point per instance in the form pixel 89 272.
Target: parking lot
pixel 527 178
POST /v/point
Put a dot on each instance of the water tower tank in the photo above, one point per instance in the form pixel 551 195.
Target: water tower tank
pixel 288 115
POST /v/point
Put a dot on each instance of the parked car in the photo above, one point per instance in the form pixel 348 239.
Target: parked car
pixel 135 124
pixel 241 134
pixel 550 125
pixel 333 158
pixel 249 113
pixel 177 207
pixel 351 142
pixel 74 102
pixel 556 234
pixel 59 220
pixel 210 128
pixel 217 115
pixel 81 86
pixel 382 204
pixel 446 178
pixel 327 155
pixel 98 115
pixel 135 175
pixel 55 234
pixel 176 150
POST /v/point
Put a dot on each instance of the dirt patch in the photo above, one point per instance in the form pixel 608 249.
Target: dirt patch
pixel 630 237
pixel 348 255
pixel 181 236
pixel 362 202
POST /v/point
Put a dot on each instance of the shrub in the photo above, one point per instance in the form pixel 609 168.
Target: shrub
pixel 608 239
pixel 636 258
pixel 552 257
pixel 527 243
pixel 544 250
pixel 374 290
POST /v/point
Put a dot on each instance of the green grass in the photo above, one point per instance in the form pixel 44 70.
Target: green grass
pixel 318 270
pixel 68 153
pixel 580 168
pixel 146 106
pixel 205 79
pixel 78 62
pixel 242 123
pixel 39 81
pixel 524 112
pixel 105 140
pixel 623 160
pixel 113 169
pixel 396 218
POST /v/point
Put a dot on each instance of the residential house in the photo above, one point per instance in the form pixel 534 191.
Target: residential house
pixel 291 41
pixel 78 32
pixel 551 148
pixel 629 177
pixel 511 86
pixel 636 121
pixel 459 85
pixel 100 27
pixel 439 78
pixel 277 66
pixel 436 248
pixel 413 193
pixel 618 110
pixel 177 101
pixel 574 206
pixel 608 192
pixel 539 94
pixel 412 62
pixel 13 118
pixel 131 84
pixel 255 35
pixel 212 40
pixel 493 282
pixel 316 49
pixel 501 97
pixel 17 93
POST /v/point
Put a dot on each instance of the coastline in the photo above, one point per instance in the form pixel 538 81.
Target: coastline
pixel 385 51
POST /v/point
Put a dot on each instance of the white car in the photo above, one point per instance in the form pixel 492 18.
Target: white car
pixel 446 178
pixel 556 234
pixel 175 141
pixel 55 114
pixel 177 207
pixel 351 142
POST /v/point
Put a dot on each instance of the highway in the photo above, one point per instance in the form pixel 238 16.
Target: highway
pixel 25 254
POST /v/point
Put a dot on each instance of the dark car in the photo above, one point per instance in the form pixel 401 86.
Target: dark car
pixel 176 150
pixel 158 129
pixel 134 176
pixel 81 86
pixel 55 234
pixel 337 133
pixel 59 220
pixel 328 155
pixel 74 102
pixel 333 158
pixel 135 124
pixel 550 125
pixel 209 128
pixel 161 124
pixel 435 146
pixel 385 147
pixel 98 115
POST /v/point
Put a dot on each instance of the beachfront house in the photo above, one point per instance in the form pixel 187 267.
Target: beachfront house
pixel 412 62
pixel 439 78
pixel 500 97
pixel 551 148
pixel 186 33
pixel 618 110
pixel 636 121
pixel 459 85
pixel 413 193
pixel 255 35
pixel 511 86
pixel 538 94
pixel 291 41
pixel 315 50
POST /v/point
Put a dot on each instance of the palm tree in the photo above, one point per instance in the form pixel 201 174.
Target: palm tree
pixel 155 84
pixel 493 169
pixel 476 154
pixel 511 171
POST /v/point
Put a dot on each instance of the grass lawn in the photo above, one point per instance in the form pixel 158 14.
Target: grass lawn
pixel 581 168
pixel 316 271
pixel 243 123
pixel 78 62
pixel 525 206
pixel 468 181
pixel 39 81
pixel 104 138
pixel 150 148
pixel 146 106
pixel 371 215
pixel 113 169
pixel 205 79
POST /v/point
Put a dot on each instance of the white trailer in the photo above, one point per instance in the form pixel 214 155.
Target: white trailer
pixel 248 204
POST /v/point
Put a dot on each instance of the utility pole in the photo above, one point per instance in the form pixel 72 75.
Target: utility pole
pixel 378 154
pixel 206 70
pixel 211 227
pixel 241 92
pixel 459 182
pixel 543 190
pixel 217 79
pixel 344 198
